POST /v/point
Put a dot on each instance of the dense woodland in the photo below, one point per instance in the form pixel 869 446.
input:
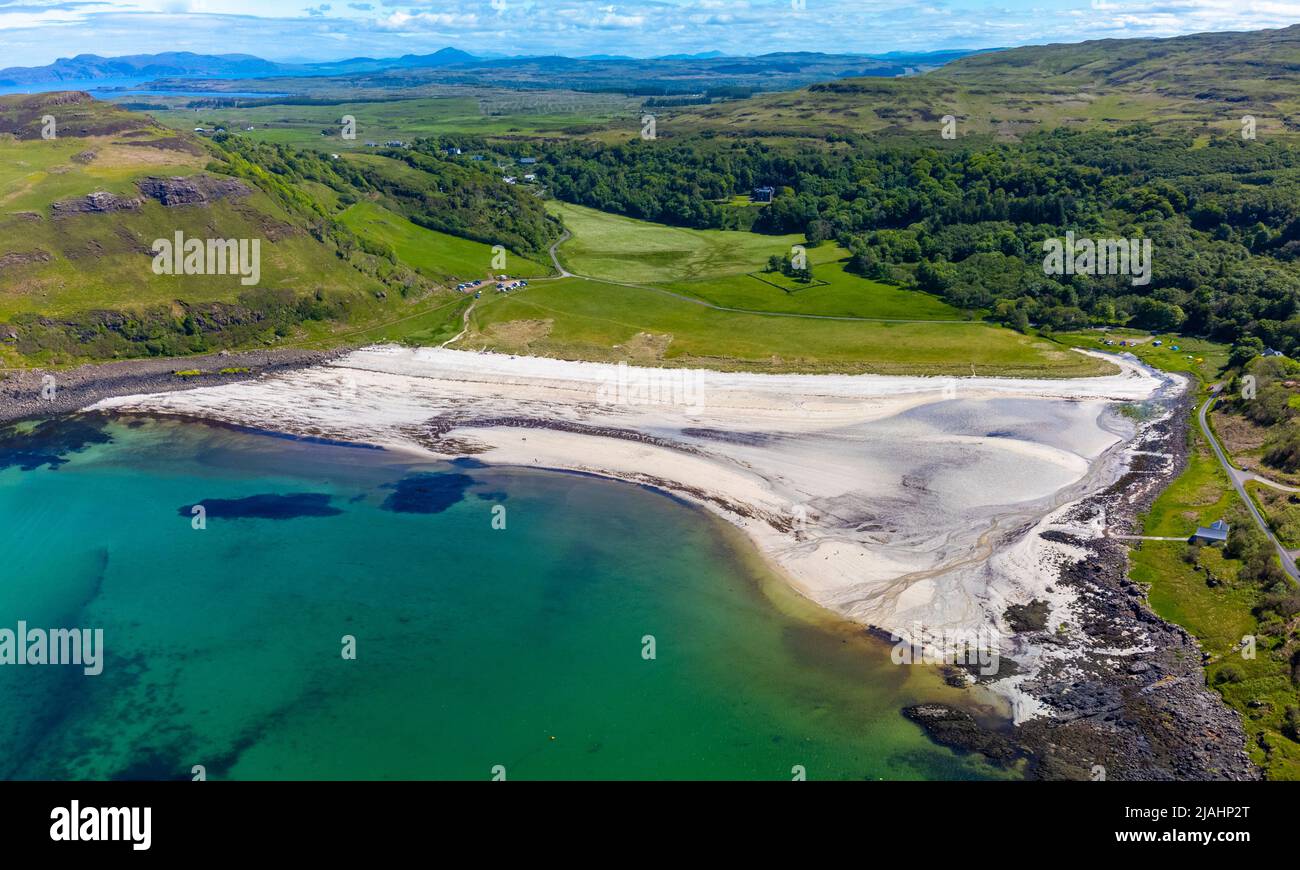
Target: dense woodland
pixel 967 221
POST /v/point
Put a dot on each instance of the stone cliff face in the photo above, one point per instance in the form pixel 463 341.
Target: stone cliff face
pixel 193 189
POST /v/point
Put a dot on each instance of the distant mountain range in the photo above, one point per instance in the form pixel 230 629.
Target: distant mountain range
pixel 171 64
pixel 783 67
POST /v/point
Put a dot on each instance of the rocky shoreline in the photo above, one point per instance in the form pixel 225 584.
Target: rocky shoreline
pixel 1130 701
pixel 28 393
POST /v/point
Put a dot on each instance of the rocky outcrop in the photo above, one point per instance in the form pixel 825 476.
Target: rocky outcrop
pixel 99 202
pixel 192 189
pixel 23 393
pixel 14 259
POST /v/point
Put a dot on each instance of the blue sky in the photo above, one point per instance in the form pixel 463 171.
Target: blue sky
pixel 34 32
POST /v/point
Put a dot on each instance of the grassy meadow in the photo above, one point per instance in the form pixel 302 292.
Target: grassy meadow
pixel 488 113
pixel 611 247
pixel 1197 587
pixel 77 262
pixel 1200 358
pixel 1178 578
pixel 576 318
pixel 651 315
pixel 833 293
pixel 725 268
pixel 436 255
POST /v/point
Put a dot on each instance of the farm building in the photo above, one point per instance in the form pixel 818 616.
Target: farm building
pixel 1215 533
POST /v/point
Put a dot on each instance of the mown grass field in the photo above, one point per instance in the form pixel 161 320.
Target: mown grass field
pixel 576 318
pixel 834 293
pixel 726 268
pixel 615 248
pixel 439 256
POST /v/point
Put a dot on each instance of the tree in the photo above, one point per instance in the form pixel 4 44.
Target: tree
pixel 1244 351
pixel 1157 316
pixel 935 277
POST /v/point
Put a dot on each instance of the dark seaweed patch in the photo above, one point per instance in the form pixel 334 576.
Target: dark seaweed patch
pixel 426 493
pixel 267 507
pixel 49 443
pixel 154 767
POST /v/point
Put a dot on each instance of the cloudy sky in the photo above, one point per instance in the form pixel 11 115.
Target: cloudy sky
pixel 35 32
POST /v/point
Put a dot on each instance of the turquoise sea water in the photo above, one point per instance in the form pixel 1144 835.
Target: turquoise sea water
pixel 476 647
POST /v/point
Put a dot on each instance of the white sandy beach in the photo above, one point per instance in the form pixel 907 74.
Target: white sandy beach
pixel 894 501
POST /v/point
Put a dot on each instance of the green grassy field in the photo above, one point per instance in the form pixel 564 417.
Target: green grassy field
pixel 434 254
pixel 403 119
pixel 34 174
pixel 615 248
pixel 78 266
pixel 576 318
pixel 834 293
pixel 725 268
pixel 641 320
pixel 102 261
pixel 1219 616
pixel 1202 359
pixel 87 261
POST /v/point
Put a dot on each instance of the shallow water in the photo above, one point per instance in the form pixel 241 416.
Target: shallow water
pixel 476 646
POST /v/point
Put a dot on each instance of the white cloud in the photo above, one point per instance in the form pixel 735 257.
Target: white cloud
pixel 428 21
pixel 37 31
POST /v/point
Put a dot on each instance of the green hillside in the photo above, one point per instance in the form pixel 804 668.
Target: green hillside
pixel 440 256
pixel 1206 79
pixel 350 250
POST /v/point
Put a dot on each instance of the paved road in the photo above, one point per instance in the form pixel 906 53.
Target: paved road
pixel 1264 481
pixel 1239 479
